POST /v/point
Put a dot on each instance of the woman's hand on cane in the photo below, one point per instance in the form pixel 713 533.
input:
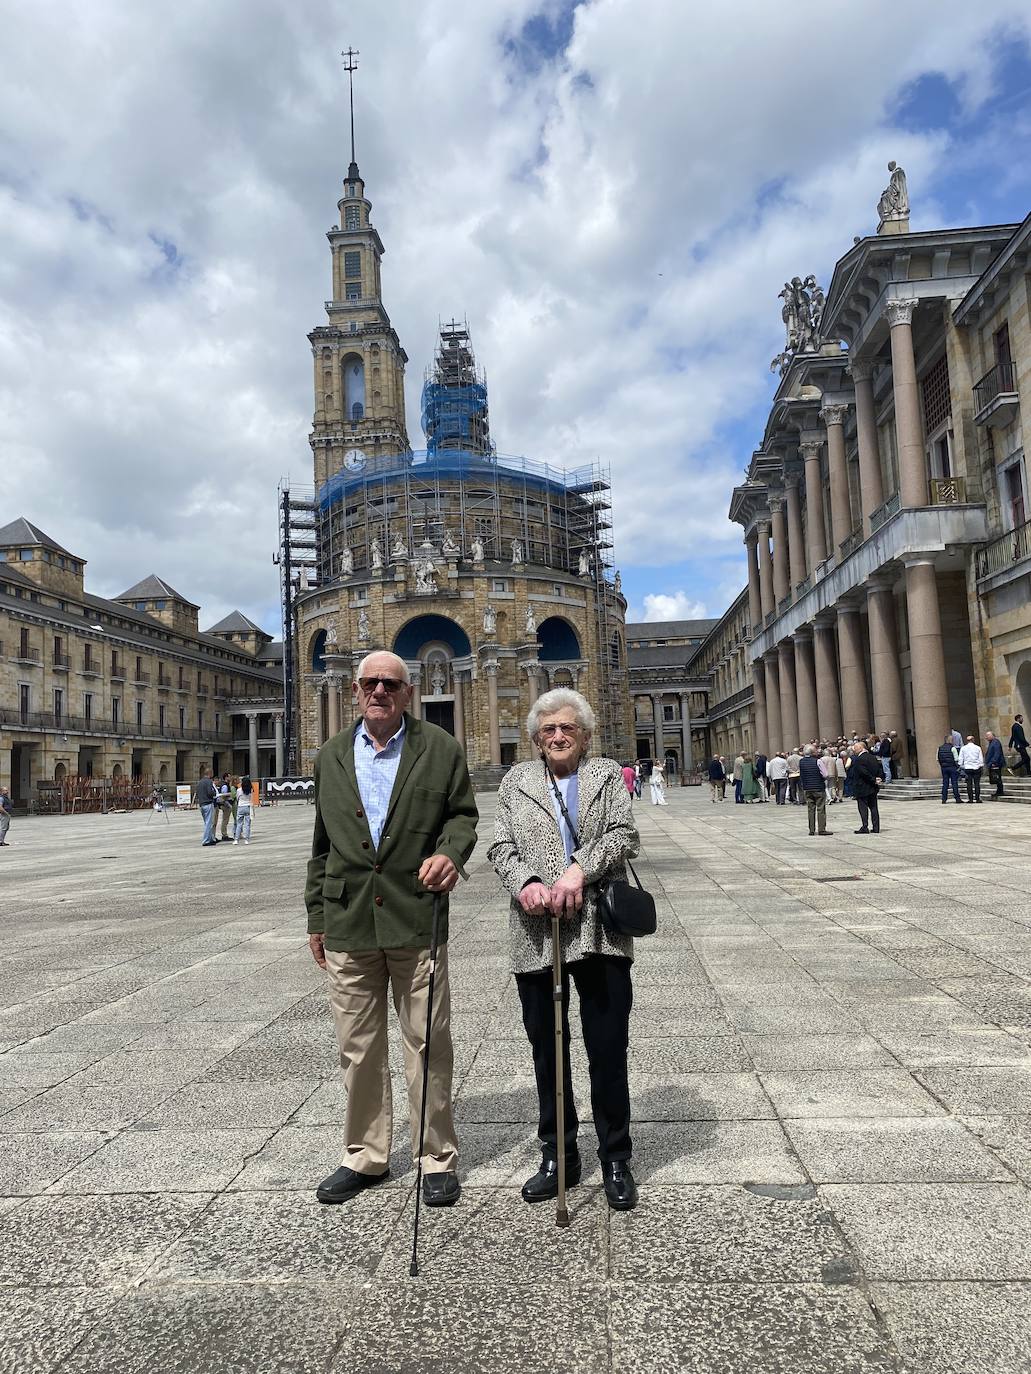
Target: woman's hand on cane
pixel 535 899
pixel 567 893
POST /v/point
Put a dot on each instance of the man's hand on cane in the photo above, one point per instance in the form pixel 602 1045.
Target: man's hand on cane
pixel 438 873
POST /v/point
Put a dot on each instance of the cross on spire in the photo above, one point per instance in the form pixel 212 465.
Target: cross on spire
pixel 350 67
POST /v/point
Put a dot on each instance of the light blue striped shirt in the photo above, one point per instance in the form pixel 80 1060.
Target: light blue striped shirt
pixel 376 771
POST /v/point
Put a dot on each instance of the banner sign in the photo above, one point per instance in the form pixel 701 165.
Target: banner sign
pixel 289 789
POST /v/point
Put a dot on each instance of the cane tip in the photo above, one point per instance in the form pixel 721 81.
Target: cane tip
pixel 562 1217
pixel 413 1269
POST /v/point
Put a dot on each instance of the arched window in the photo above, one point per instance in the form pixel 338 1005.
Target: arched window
pixel 354 387
pixel 318 653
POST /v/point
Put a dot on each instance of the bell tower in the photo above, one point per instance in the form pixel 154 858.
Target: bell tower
pixel 358 359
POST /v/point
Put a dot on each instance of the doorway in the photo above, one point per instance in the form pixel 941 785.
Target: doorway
pixel 439 712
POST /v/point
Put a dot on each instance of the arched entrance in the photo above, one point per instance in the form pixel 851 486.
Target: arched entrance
pixel 430 645
pixel 60 772
pixel 1023 694
pixel 557 641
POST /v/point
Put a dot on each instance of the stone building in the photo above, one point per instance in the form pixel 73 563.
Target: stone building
pixel 128 687
pixel 670 699
pixel 490 576
pixel 721 662
pixel 889 566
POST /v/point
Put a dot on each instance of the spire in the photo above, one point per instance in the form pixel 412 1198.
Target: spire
pixel 350 67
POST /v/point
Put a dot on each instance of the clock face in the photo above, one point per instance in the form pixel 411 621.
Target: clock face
pixel 354 459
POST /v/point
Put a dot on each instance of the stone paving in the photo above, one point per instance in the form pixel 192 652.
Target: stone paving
pixel 831 1085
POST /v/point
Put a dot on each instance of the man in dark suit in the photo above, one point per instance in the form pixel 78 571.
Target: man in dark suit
pixel 1018 741
pixel 867 776
pixel 395 820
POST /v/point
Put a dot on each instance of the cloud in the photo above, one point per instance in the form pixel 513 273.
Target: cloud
pixel 612 197
pixel 671 606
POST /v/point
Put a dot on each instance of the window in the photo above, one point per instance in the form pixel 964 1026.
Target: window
pixel 139 715
pixel 116 711
pixel 1003 356
pixel 937 399
pixel 161 719
pixel 352 217
pixel 1013 494
pixel 139 605
pixel 218 722
pixel 182 718
pixel 26 555
pixel 58 705
pixel 139 668
pixel 352 291
pixel 350 189
pixel 499 584
pixel 87 706
pixel 353 264
pixel 668 712
pixel 23 701
pixel 200 718
pixel 160 605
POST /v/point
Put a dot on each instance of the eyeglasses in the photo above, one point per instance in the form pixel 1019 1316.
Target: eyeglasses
pixel 549 730
pixel 389 684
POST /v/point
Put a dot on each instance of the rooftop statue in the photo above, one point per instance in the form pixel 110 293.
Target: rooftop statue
pixel 346 563
pixel 802 314
pixel 894 201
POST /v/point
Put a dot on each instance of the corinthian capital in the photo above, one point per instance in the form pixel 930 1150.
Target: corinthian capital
pixel 834 415
pixel 899 312
pixel 861 372
pixel 810 449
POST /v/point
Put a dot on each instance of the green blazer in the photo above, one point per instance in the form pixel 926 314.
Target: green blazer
pixel 362 898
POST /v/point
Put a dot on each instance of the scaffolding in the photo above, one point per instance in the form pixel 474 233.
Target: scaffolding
pixel 298 571
pixel 455 415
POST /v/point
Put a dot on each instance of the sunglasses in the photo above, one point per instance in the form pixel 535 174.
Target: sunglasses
pixel 389 684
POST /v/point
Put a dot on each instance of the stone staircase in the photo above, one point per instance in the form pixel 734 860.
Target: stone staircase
pixel 1017 790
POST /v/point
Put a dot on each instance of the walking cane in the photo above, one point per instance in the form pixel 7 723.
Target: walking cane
pixel 561 1215
pixel 413 1268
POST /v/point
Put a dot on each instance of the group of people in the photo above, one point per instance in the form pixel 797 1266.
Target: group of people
pixel 395 824
pixel 230 800
pixel 633 778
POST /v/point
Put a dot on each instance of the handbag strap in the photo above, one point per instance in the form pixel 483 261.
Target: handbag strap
pixel 566 817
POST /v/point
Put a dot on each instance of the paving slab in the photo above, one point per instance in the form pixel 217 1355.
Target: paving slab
pixel 147 1161
pixel 848 1092
pixel 856 1149
pixel 959 1328
pixel 976 1092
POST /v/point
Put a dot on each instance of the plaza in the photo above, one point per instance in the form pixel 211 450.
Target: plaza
pixel 830 1075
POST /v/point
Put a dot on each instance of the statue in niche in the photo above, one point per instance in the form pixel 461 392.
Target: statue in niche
pixel 398 549
pixel 894 201
pixel 449 546
pixel 438 680
pixel 331 635
pixel 346 563
pixel 517 552
pixel 363 627
pixel 490 621
pixel 618 584
pixel 531 621
pixel 477 549
pixel 377 554
pixel 425 576
pixel 584 566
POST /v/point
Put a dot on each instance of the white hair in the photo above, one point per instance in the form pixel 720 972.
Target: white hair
pixel 402 666
pixel 808 749
pixel 555 700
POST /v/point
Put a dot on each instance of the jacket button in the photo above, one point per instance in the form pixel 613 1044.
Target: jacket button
pixel 365 844
pixel 379 901
pixel 359 813
pixel 377 868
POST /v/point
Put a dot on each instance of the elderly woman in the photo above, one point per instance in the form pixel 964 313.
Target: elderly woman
pixel 546 871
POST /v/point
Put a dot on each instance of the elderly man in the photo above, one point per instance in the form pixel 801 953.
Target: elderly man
pixel 395 820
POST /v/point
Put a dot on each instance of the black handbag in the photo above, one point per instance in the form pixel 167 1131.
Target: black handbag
pixel 626 909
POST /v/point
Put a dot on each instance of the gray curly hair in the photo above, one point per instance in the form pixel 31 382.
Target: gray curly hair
pixel 555 700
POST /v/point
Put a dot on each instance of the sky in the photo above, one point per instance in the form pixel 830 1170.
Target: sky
pixel 611 192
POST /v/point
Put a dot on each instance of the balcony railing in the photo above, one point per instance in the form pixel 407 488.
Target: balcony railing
pixel 996 399
pixel 783 604
pixel 1009 549
pixel 117 671
pixel 93 725
pixel 24 655
pixel 164 680
pixel 948 491
pixel 142 679
pixel 90 667
pixel 884 513
pixel 61 660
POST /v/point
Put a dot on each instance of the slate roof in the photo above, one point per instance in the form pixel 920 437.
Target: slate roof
pixel 670 629
pixel 21 531
pixel 236 623
pixel 154 586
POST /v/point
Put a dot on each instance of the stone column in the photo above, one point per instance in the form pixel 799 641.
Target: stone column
pixel 796 548
pixel 855 704
pixel 278 721
pixel 333 710
pixel 686 752
pixel 909 430
pixel 870 486
pixel 252 743
pixel 788 699
pixel 772 677
pixel 658 728
pixel 888 703
pixel 780 550
pixel 805 688
pixel 493 723
pixel 755 614
pixel 533 678
pixel 765 569
pixel 416 675
pixel 762 725
pixel 927 662
pixel 459 708
pixel 841 509
pixel 814 502
pixel 828 702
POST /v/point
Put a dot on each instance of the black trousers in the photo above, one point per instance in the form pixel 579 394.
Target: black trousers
pixel 973 784
pixel 869 816
pixel 606 996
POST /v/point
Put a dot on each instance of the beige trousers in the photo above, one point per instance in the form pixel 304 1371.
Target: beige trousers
pixel 358 998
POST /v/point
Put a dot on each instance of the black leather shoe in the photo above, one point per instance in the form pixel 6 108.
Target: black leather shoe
pixel 544 1184
pixel 861 831
pixel 345 1183
pixel 441 1190
pixel 620 1188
